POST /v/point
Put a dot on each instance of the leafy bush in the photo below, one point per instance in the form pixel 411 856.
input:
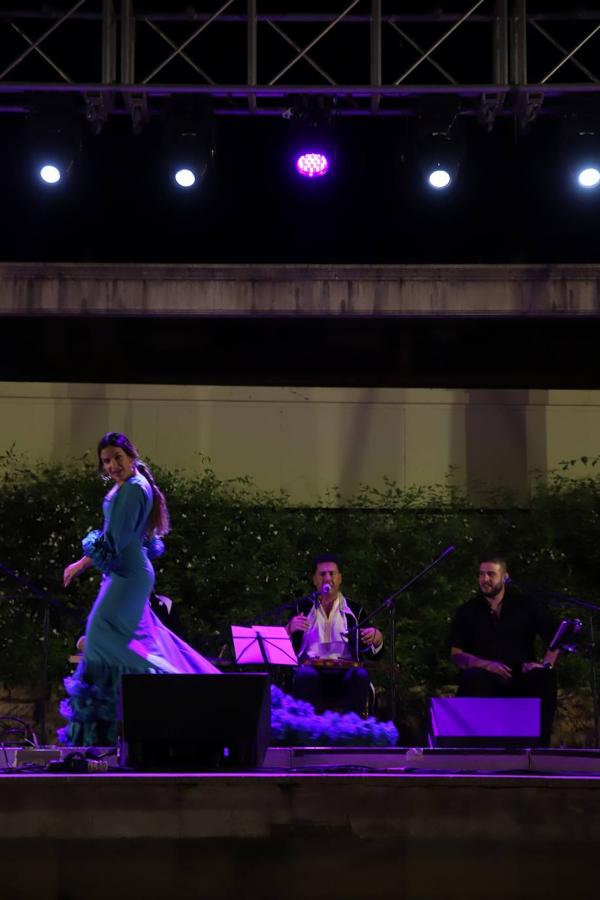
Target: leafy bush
pixel 236 553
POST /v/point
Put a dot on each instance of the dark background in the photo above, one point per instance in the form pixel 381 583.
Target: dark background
pixel 433 352
pixel 514 202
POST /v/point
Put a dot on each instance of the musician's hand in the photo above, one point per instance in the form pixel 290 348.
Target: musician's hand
pixel 298 623
pixel 369 636
pixel 528 666
pixel 71 572
pixel 499 669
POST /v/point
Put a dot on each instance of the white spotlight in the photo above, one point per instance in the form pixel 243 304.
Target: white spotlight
pixel 589 177
pixel 188 147
pixel 185 178
pixel 439 158
pixel 439 179
pixel 50 174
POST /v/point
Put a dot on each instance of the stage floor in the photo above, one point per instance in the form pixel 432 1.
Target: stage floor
pixel 311 824
pixel 375 760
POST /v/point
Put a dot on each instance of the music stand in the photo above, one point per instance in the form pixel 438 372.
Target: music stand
pixel 263 645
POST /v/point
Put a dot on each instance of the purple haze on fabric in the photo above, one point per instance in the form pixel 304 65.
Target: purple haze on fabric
pixel 295 723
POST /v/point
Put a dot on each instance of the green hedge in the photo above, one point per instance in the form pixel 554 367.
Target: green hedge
pixel 236 552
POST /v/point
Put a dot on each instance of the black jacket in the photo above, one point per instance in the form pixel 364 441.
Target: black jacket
pixel 511 637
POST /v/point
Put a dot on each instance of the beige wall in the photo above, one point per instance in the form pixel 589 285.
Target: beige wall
pixel 307 439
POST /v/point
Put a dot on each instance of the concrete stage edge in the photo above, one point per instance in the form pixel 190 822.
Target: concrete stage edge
pixel 314 823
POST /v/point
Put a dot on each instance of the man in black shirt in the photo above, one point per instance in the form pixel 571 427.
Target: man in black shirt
pixel 492 640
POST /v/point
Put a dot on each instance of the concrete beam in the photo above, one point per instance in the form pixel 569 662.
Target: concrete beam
pixel 76 289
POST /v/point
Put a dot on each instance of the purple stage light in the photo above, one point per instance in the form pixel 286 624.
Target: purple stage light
pixel 312 165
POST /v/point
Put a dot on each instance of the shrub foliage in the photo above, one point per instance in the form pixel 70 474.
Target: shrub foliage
pixel 236 553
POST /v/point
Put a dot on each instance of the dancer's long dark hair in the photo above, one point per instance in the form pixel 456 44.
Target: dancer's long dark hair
pixel 159 517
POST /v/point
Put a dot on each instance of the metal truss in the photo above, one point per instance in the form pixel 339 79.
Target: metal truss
pixel 256 57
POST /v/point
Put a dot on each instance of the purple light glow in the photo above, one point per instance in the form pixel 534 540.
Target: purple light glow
pixel 312 165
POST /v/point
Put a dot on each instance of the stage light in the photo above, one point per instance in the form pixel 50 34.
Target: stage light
pixel 50 174
pixel 312 164
pixel 52 169
pixel 190 155
pixel 439 179
pixel 189 145
pixel 440 160
pixel 55 143
pixel 53 163
pixel 312 148
pixel 582 152
pixel 185 178
pixel 589 177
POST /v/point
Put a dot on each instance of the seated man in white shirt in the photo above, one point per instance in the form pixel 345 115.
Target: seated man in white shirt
pixel 327 641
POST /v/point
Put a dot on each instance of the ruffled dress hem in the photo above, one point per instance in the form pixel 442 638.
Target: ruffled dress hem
pixel 92 707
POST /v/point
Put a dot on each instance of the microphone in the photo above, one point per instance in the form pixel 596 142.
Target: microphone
pixel 560 634
pixel 321 592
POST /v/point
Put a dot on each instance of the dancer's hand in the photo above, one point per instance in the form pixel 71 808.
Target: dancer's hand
pixel 75 569
pixel 528 666
pixel 71 572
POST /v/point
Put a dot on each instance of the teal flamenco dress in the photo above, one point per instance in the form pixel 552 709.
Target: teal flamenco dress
pixel 122 635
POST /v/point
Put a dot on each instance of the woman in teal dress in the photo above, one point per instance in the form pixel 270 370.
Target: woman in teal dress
pixel 122 635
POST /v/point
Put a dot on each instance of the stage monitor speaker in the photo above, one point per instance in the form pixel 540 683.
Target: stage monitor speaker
pixel 186 723
pixel 485 722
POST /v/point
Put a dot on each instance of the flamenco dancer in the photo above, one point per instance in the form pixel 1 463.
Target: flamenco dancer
pixel 122 634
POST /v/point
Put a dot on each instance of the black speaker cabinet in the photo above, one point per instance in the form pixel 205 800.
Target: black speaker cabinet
pixel 192 723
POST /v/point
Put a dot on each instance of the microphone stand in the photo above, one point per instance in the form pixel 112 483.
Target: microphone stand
pixel 47 601
pixel 390 604
pixel 594 681
pixel 290 605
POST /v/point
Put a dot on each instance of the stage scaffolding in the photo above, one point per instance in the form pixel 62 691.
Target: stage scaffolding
pixel 484 58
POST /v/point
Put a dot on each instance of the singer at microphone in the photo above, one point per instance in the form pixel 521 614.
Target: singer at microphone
pixel 329 644
pixel 492 640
